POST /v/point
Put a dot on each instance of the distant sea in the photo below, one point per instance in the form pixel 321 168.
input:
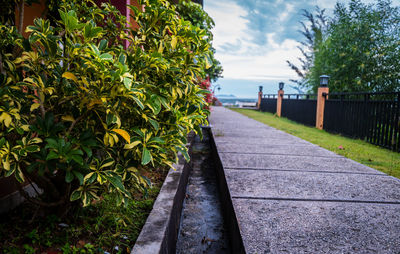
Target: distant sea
pixel 234 101
pixel 234 92
pixel 245 89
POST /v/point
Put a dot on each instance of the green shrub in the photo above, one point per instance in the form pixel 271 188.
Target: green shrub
pixel 194 13
pixel 81 115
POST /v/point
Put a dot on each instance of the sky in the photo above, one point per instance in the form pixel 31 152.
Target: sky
pixel 254 38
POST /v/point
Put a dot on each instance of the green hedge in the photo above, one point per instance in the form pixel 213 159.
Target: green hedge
pixel 81 115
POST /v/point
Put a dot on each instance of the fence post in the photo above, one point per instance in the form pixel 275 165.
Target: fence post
pixel 323 90
pixel 279 103
pixel 260 94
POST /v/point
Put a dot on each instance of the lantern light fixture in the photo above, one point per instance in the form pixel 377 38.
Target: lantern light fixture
pixel 323 80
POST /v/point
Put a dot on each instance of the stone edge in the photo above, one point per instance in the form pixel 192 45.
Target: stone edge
pixel 160 232
pixel 14 199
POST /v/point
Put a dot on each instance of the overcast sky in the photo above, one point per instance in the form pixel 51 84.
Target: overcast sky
pixel 254 38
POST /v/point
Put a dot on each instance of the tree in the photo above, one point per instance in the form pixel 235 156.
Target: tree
pixel 359 50
pixel 363 48
pixel 313 30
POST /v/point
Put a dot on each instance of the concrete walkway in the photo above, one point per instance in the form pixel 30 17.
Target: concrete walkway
pixel 291 196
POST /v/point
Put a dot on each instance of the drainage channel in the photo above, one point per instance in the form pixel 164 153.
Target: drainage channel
pixel 202 227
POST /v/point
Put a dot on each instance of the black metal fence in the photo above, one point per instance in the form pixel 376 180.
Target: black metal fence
pixel 300 108
pixel 268 103
pixel 374 117
pixel 297 107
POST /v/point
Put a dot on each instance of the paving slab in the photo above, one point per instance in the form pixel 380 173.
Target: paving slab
pixel 296 149
pixel 261 134
pixel 291 196
pixel 313 185
pixel 233 124
pixel 292 161
pixel 269 226
pixel 243 128
pixel 273 139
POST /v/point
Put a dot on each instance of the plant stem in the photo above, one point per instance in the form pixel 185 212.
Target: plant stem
pixel 21 15
pixel 73 124
pixel 2 71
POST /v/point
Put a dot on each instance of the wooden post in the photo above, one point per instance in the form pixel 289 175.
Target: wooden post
pixel 260 95
pixel 319 123
pixel 279 103
pixel 28 14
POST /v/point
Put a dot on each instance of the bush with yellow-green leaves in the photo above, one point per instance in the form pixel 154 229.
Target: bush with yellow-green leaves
pixel 80 115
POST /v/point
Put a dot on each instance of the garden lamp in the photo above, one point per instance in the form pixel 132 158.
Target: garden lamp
pixel 281 85
pixel 217 86
pixel 323 80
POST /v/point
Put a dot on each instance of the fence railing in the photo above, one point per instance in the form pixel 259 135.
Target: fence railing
pixel 297 107
pixel 268 105
pixel 374 117
pixel 270 96
pixel 300 96
pixel 300 110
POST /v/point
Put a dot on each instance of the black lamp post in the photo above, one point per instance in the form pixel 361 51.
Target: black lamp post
pixel 323 80
pixel 217 86
pixel 281 85
pixel 260 89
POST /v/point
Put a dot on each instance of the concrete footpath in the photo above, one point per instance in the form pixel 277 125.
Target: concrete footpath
pixel 291 196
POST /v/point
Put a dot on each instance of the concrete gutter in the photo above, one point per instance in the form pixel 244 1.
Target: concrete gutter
pixel 230 219
pixel 160 232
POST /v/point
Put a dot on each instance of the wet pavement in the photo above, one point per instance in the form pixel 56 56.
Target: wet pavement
pixel 202 226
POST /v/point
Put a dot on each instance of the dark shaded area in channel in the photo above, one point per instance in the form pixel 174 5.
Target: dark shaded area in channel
pixel 202 228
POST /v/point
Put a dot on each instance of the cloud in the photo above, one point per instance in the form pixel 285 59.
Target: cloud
pixel 267 65
pixel 230 26
pixel 273 16
pixel 241 55
pixel 231 47
pixel 254 38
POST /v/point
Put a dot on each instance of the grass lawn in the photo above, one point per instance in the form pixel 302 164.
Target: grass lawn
pixel 373 156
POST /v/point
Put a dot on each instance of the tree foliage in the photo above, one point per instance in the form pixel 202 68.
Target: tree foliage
pixel 359 50
pixel 194 13
pixel 312 29
pixel 81 115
